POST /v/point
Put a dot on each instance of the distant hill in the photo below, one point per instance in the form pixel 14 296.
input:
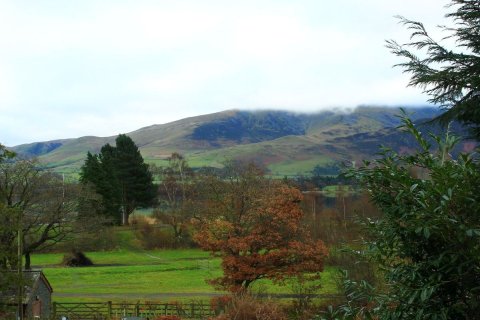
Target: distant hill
pixel 286 143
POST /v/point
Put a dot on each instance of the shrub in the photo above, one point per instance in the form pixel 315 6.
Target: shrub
pixel 428 239
pixel 219 304
pixel 247 307
pixel 303 305
pixel 152 236
pixel 76 259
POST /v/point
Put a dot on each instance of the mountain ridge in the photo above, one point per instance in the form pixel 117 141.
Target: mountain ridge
pixel 280 140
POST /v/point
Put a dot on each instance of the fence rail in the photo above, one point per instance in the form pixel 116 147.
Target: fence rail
pixel 117 311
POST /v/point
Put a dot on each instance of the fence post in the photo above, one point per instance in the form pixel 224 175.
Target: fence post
pixel 137 309
pixel 54 309
pixel 109 310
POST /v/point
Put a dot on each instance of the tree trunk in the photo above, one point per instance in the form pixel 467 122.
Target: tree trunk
pixel 125 214
pixel 177 234
pixel 27 260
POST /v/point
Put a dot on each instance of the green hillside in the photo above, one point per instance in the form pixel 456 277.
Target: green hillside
pixel 286 143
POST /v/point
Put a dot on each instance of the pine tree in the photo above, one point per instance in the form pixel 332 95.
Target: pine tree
pixel 121 177
pixel 134 179
pixel 450 78
pixel 98 172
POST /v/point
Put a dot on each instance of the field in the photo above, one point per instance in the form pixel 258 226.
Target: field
pixel 138 275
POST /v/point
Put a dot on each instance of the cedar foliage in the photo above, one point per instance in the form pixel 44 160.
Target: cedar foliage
pixel 451 78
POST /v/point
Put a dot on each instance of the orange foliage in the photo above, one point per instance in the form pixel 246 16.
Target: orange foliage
pixel 219 304
pixel 254 225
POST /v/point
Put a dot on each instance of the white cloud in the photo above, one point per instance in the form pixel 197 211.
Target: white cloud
pixel 187 77
pixel 7 90
pixel 88 67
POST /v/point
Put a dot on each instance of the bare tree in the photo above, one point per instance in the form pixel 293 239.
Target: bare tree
pixel 48 206
pixel 176 195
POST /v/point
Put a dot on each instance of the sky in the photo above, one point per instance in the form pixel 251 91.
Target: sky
pixel 76 68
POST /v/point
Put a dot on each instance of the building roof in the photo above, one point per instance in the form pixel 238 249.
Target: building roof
pixel 32 279
pixel 35 276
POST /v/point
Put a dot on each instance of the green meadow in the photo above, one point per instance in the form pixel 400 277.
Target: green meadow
pixel 139 275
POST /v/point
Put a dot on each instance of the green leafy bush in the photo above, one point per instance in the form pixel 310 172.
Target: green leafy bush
pixel 428 240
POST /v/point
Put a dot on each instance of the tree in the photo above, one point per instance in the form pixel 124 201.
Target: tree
pixel 176 195
pixel 9 224
pixel 451 79
pixel 9 220
pixel 428 239
pixel 121 177
pixel 254 225
pixel 98 176
pixel 136 182
pixel 49 213
pixel 47 208
pixel 5 153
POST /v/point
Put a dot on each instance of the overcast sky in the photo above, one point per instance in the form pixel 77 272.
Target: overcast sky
pixel 74 68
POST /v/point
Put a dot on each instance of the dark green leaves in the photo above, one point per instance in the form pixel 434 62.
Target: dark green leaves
pixel 450 78
pixel 428 239
pixel 121 177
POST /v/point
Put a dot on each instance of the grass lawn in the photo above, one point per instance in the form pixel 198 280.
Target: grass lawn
pixel 157 275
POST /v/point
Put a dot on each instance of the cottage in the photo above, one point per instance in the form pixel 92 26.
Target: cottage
pixel 37 298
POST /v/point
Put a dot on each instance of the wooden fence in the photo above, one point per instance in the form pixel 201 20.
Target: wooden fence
pixel 117 311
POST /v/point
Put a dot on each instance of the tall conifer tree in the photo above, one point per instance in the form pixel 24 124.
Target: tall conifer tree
pixel 451 77
pixel 120 175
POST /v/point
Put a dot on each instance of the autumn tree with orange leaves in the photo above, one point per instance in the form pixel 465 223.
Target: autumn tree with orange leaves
pixel 255 225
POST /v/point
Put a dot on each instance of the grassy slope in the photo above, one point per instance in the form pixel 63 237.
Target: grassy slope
pixel 328 137
pixel 141 275
pixel 132 273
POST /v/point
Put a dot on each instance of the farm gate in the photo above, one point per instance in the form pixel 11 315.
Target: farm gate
pixel 117 311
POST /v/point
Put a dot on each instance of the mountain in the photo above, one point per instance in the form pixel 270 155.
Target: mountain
pixel 286 143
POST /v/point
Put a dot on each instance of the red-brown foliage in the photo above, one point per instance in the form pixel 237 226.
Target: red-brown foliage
pixel 246 307
pixel 219 304
pixel 254 225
